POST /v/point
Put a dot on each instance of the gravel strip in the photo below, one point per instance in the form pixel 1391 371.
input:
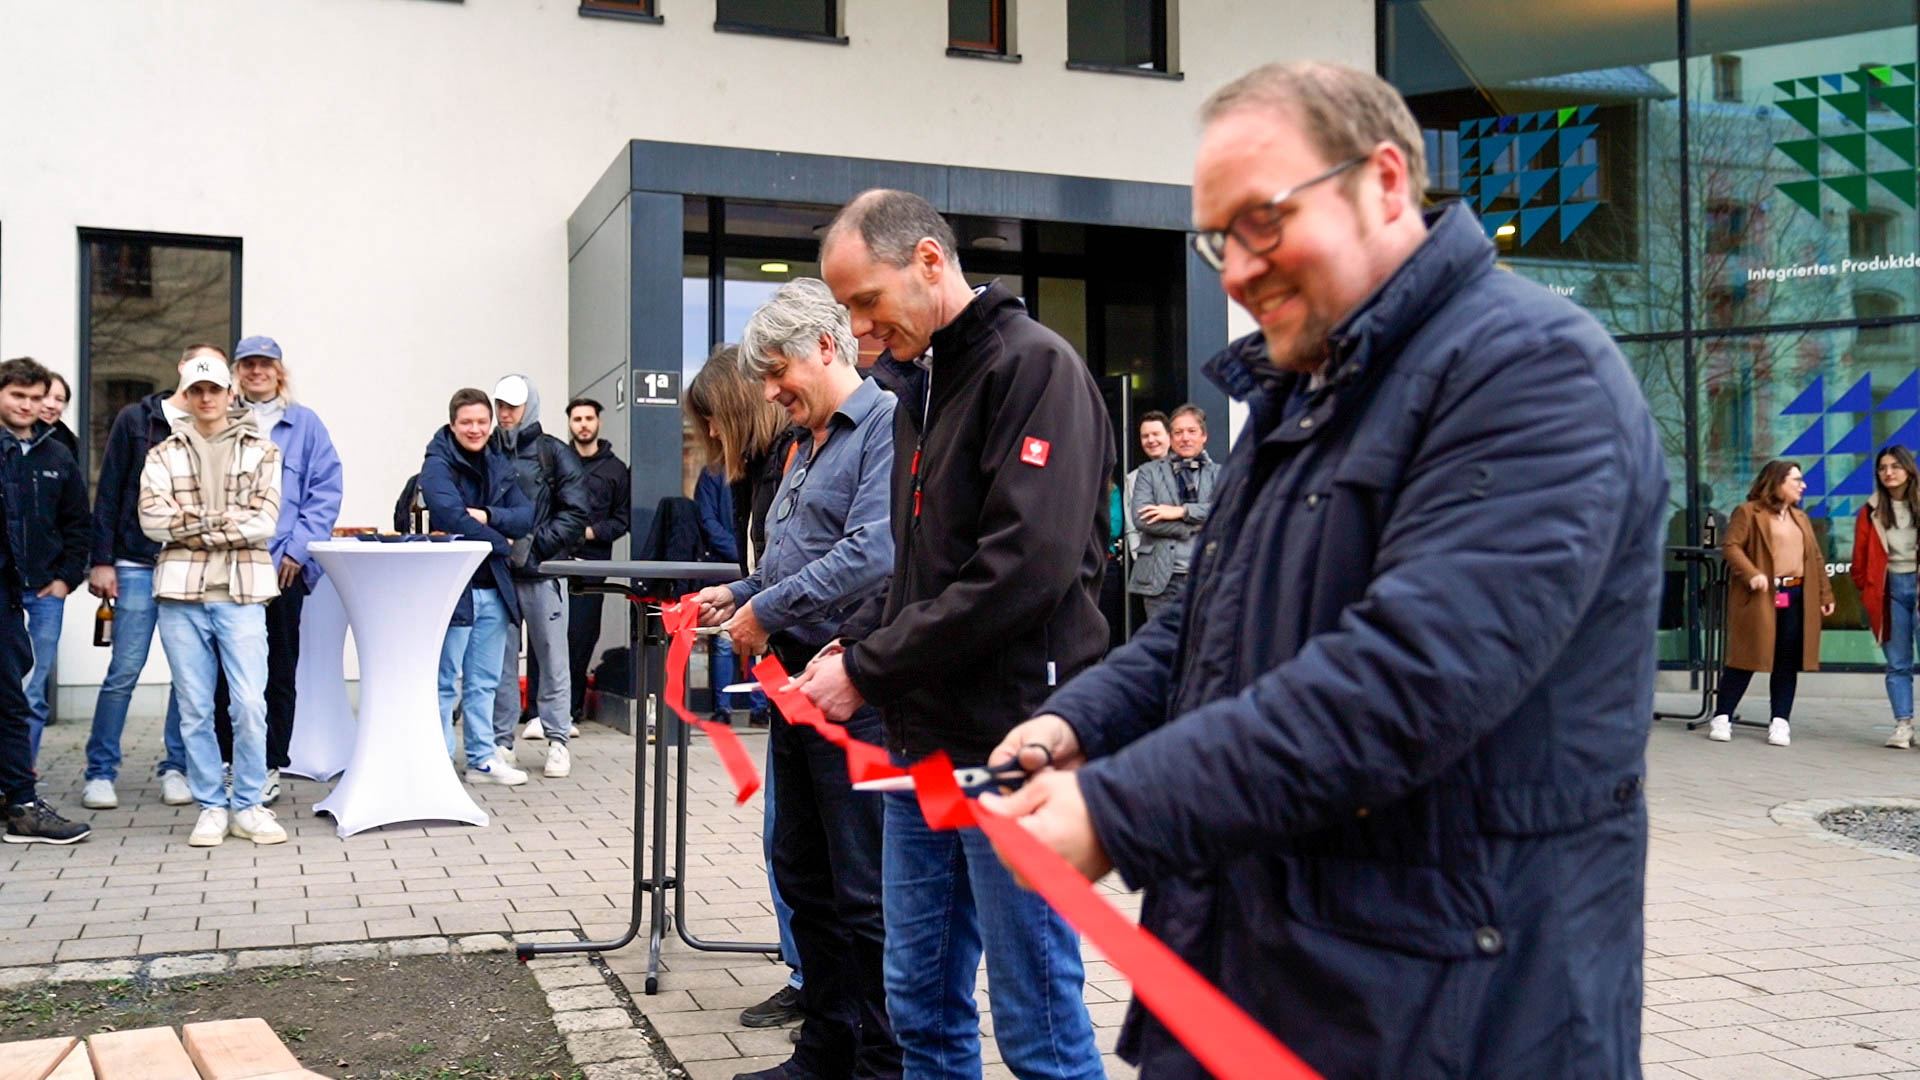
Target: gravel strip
pixel 1885 826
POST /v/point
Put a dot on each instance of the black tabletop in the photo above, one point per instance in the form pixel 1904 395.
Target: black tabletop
pixel 675 571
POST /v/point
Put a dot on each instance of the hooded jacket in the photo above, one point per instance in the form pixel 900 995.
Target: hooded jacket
pixel 552 479
pixel 1380 771
pixel 609 501
pixel 117 535
pixel 214 515
pixel 451 481
pixel 55 527
pixel 999 515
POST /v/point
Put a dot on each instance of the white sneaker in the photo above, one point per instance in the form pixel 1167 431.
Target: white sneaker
pixel 173 788
pixel 497 771
pixel 270 792
pixel 573 730
pixel 559 761
pixel 98 795
pixel 211 828
pixel 256 823
pixel 1720 728
pixel 1778 733
pixel 1901 739
pixel 533 730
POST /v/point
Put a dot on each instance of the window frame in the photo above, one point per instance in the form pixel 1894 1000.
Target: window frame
pixel 1727 78
pixel 834 32
pixel 1164 14
pixel 998 48
pixel 630 10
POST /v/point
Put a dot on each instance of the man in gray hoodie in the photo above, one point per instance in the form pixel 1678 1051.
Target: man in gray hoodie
pixel 552 478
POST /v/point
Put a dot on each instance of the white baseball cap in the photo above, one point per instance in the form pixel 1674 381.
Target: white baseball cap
pixel 206 368
pixel 511 390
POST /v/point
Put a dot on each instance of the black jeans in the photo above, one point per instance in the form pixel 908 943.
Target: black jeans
pixel 1789 640
pixel 16 739
pixel 826 861
pixel 283 662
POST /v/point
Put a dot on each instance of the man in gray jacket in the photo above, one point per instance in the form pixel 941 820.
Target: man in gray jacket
pixel 1169 504
pixel 552 478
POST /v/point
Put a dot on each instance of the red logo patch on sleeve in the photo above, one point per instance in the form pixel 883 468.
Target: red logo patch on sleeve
pixel 1034 451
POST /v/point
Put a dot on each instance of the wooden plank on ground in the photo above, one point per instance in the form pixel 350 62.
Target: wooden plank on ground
pixel 33 1059
pixel 74 1066
pixel 237 1049
pixel 143 1054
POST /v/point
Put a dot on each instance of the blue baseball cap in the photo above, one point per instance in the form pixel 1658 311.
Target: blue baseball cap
pixel 257 345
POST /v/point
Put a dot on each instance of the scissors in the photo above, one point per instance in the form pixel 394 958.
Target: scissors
pixel 1011 775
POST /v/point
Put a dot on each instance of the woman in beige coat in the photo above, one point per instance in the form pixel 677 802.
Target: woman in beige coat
pixel 1777 594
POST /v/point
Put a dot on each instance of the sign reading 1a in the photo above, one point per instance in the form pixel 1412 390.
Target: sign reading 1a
pixel 656 388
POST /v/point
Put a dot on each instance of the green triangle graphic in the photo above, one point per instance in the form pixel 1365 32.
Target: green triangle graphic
pixel 1851 188
pixel 1900 182
pixel 1811 82
pixel 1906 69
pixel 1898 140
pixel 1806 110
pixel 1852 105
pixel 1883 72
pixel 1804 192
pixel 1564 115
pixel 1804 152
pixel 1897 98
pixel 1860 79
pixel 1789 87
pixel 1851 147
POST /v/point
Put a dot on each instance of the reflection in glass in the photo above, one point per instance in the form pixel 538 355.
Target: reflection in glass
pixel 789 16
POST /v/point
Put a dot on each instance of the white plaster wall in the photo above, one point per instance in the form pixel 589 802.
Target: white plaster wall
pixel 401 171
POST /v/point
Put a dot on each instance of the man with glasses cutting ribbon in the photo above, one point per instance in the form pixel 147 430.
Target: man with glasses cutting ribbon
pixel 1380 771
pixel 829 548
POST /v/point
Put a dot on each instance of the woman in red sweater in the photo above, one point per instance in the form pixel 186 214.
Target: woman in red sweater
pixel 1884 540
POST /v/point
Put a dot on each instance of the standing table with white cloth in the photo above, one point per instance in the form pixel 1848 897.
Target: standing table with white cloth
pixel 399 599
pixel 323 721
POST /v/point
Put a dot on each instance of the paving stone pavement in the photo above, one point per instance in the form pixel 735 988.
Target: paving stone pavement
pixel 1772 950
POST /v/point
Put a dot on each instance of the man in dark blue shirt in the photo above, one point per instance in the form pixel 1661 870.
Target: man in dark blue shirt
pixel 829 548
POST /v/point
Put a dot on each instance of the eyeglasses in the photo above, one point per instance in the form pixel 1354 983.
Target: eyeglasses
pixel 792 499
pixel 1258 228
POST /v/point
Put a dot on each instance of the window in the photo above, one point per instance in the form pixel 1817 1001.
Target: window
pixel 1117 34
pixel 1726 78
pixel 1727 226
pixel 144 297
pixel 977 26
pixel 620 9
pixel 1876 305
pixel 792 18
pixel 1867 233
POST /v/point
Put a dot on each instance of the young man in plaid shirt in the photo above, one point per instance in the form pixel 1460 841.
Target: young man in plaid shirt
pixel 210 493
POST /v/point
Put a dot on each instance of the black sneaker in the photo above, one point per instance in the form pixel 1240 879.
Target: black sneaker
pixel 782 1008
pixel 722 716
pixel 36 823
pixel 759 718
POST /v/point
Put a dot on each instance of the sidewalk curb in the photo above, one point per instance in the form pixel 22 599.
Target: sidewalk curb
pixel 1804 816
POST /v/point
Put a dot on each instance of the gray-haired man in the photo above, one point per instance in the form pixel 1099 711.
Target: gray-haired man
pixel 829 548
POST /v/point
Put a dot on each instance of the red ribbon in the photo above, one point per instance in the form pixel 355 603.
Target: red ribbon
pixel 1225 1040
pixel 680 619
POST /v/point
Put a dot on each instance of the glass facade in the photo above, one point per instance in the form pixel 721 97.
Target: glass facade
pixel 1730 187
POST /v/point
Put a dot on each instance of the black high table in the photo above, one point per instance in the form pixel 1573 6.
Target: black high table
pixel 624 579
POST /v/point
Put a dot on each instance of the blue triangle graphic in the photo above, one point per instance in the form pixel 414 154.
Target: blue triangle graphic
pixel 1532 181
pixel 1532 141
pixel 1857 441
pixel 1572 136
pixel 1858 482
pixel 1843 511
pixel 1811 402
pixel 1572 214
pixel 1908 435
pixel 1810 443
pixel 1857 399
pixel 1572 177
pixel 1496 145
pixel 1814 509
pixel 1527 121
pixel 1532 218
pixel 1831 80
pixel 1904 396
pixel 1816 478
pixel 1494 221
pixel 1506 123
pixel 1586 112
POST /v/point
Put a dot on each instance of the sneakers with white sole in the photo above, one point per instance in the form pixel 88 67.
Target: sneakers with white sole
pixel 270 791
pixel 559 761
pixel 496 770
pixel 1720 728
pixel 211 828
pixel 173 788
pixel 1902 737
pixel 533 730
pixel 573 730
pixel 1779 733
pixel 256 823
pixel 99 795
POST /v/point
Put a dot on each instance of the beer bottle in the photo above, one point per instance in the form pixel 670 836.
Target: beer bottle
pixel 103 623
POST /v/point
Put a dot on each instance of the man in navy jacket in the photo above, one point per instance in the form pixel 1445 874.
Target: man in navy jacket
pixel 1380 773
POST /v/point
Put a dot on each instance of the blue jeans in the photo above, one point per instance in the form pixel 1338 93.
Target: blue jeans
pixel 133 619
pixel 44 615
pixel 191 632
pixel 782 911
pixel 1899 647
pixel 470 660
pixel 947 896
pixel 720 672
